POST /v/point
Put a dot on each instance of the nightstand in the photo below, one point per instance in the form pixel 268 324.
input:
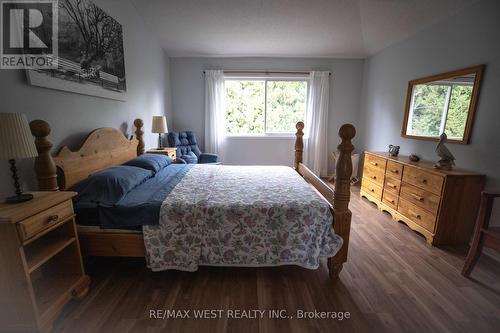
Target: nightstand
pixel 40 260
pixel 170 152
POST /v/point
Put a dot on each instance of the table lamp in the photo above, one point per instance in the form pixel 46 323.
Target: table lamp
pixel 16 141
pixel 159 126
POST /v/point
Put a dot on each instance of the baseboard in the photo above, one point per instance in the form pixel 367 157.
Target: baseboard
pixel 492 254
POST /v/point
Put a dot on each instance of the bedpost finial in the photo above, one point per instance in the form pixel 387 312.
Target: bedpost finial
pixel 139 133
pixel 39 128
pixel 45 168
pixel 299 145
pixel 347 132
pixel 299 126
pixel 139 123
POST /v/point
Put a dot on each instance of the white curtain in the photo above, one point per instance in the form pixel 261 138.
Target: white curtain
pixel 316 123
pixel 214 109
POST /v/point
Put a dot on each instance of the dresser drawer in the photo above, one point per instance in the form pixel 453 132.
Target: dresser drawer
pixel 375 175
pixel 390 200
pixel 46 219
pixel 424 180
pixel 419 197
pixel 375 162
pixel 418 215
pixel 394 170
pixel 372 188
pixel 392 185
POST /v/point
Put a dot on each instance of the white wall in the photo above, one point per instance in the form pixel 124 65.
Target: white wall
pixel 469 38
pixel 188 102
pixel 72 116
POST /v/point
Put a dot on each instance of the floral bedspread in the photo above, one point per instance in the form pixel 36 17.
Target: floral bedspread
pixel 222 215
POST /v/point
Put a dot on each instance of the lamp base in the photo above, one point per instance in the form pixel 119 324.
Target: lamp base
pixel 160 145
pixel 19 198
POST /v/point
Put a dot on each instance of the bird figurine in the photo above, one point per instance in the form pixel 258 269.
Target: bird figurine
pixel 447 160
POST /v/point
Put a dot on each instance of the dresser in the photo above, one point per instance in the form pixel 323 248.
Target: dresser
pixel 440 204
pixel 170 152
pixel 40 260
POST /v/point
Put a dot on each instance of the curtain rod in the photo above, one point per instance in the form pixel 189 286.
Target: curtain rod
pixel 266 72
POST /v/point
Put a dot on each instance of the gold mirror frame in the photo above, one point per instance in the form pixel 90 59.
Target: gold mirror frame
pixel 478 70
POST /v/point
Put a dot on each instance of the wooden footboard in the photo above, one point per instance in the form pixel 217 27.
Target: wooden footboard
pixel 340 196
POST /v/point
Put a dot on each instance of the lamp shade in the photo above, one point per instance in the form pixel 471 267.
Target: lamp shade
pixel 159 124
pixel 16 140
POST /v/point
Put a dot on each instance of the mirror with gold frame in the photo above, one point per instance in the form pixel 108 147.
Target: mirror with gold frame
pixel 442 103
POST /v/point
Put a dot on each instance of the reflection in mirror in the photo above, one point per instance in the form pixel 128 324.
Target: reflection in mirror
pixel 442 103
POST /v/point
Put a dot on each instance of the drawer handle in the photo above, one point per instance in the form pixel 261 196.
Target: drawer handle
pixel 395 171
pixel 417 197
pixel 373 190
pixel 374 177
pixel 374 163
pixel 392 201
pixel 415 214
pixel 52 218
pixel 422 180
pixel 392 185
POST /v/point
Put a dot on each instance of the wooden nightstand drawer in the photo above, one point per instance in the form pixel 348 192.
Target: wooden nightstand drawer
pixel 43 220
pixel 170 152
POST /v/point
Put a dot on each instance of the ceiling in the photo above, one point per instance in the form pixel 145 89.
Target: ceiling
pixel 288 28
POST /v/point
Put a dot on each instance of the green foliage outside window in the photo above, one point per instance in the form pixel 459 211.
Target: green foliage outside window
pixel 248 112
pixel 245 106
pixel 429 105
pixel 458 111
pixel 286 105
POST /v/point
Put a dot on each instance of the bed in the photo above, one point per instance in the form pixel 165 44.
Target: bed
pixel 210 215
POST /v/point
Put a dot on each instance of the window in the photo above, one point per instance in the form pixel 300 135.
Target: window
pixel 267 106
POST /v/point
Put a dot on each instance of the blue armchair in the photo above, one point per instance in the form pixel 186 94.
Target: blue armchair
pixel 187 148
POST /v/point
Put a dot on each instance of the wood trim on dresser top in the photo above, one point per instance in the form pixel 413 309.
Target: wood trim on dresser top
pixel 439 204
pixel 106 147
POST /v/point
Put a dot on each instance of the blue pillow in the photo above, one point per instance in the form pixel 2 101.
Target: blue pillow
pixel 111 185
pixel 153 162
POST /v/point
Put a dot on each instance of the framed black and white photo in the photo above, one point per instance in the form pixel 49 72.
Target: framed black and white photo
pixel 90 57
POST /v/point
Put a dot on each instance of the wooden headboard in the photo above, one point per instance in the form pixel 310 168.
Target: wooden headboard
pixel 101 149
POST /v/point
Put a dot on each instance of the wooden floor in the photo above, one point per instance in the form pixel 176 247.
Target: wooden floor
pixel 393 282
